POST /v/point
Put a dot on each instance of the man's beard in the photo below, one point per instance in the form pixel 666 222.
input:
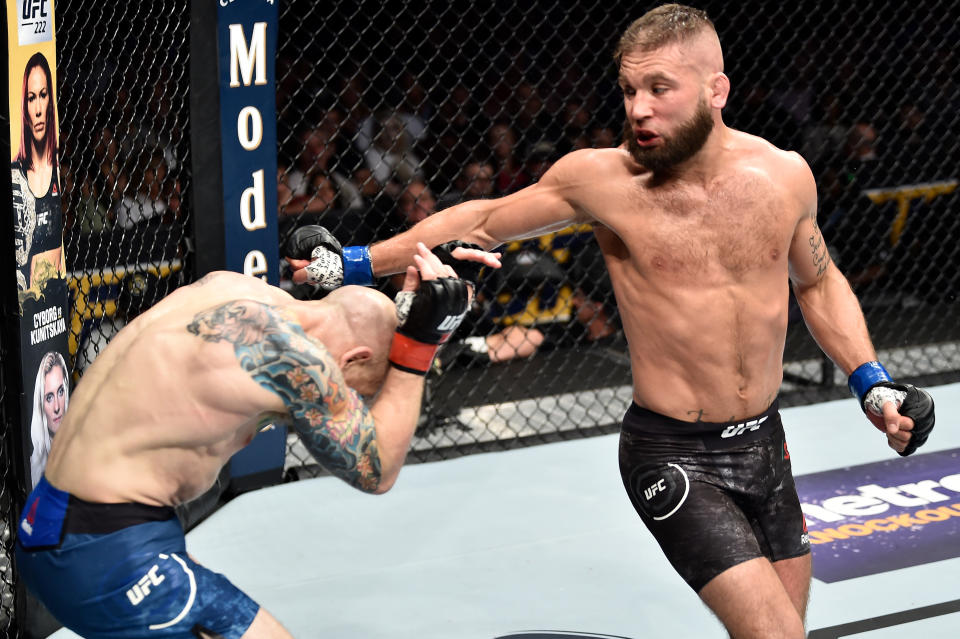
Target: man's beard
pixel 673 150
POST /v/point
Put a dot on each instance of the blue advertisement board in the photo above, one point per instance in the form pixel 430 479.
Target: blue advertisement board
pixel 883 516
pixel 247 38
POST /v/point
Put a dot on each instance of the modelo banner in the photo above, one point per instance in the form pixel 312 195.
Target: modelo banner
pixel 38 224
pixel 247 39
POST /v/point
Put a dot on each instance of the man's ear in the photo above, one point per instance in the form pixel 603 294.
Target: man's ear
pixel 356 355
pixel 719 90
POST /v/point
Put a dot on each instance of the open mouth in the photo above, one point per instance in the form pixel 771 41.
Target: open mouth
pixel 646 138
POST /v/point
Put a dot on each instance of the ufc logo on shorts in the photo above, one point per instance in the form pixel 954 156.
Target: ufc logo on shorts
pixel 658 487
pixel 739 429
pixel 142 588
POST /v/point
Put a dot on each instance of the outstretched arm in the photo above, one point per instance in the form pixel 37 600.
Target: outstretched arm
pixel 537 209
pixel 546 206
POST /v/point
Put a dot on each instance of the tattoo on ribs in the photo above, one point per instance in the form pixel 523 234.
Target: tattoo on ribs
pixel 818 249
pixel 272 347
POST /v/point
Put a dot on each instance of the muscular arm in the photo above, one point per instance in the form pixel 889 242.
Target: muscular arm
pixel 830 309
pixel 328 417
pixel 539 208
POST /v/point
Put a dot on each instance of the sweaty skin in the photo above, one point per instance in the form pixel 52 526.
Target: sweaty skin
pixel 189 383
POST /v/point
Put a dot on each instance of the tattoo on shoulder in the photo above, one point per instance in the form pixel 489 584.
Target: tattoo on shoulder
pixel 818 248
pixel 270 345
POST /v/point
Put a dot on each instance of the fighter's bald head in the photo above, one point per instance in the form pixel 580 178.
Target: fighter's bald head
pixel 360 337
pixel 675 24
pixel 369 315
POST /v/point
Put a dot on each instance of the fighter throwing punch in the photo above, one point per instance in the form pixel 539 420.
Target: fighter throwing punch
pixel 180 390
pixel 701 228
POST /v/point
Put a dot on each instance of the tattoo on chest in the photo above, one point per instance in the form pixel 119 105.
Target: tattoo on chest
pixel 273 349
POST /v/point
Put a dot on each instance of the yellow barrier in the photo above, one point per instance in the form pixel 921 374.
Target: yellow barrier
pixel 902 195
pixel 81 285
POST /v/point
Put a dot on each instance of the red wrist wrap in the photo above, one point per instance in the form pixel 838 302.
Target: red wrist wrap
pixel 410 355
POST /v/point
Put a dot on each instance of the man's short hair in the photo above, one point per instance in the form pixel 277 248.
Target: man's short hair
pixel 667 24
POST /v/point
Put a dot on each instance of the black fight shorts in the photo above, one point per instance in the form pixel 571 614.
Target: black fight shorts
pixel 713 495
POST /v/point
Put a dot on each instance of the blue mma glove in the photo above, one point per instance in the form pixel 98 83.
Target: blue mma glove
pixel 331 265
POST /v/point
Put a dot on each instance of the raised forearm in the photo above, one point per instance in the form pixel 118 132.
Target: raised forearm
pixel 396 412
pixel 835 320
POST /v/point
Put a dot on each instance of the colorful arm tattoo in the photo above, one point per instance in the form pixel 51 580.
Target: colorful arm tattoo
pixel 275 351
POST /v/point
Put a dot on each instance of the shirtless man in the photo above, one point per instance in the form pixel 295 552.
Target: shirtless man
pixel 701 228
pixel 180 390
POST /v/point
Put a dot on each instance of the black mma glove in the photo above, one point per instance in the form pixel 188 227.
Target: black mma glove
pixel 468 270
pixel 427 318
pixel 331 265
pixel 873 386
pixel 917 404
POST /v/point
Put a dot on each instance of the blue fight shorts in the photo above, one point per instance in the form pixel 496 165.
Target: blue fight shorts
pixel 121 571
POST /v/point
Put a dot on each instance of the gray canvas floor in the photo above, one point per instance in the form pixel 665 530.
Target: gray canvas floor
pixel 544 539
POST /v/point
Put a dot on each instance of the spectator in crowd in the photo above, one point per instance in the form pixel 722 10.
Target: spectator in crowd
pixel 908 138
pixel 414 204
pixel 540 157
pixel 603 137
pixel 143 201
pixel 414 111
pixel 759 113
pixel 73 203
pixel 457 130
pixel 319 205
pixel 825 136
pixel 318 152
pixel 576 124
pixel 351 98
pixel 510 174
pixel 859 228
pixel 390 157
pixel 531 118
pixel 475 181
pixel 861 158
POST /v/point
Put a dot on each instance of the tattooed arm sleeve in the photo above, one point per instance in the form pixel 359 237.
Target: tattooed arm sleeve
pixel 329 418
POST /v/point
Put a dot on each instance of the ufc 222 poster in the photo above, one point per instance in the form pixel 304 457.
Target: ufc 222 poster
pixel 37 217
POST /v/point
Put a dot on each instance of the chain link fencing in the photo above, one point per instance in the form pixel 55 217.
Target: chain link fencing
pixel 123 72
pixel 388 115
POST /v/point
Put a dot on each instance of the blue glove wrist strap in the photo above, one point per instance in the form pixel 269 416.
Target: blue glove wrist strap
pixel 357 268
pixel 866 376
